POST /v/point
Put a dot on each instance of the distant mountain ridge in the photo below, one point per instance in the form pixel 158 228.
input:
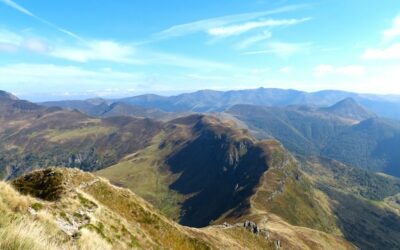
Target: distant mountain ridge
pixel 211 100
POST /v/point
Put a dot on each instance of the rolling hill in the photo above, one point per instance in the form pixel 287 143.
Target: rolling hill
pixel 104 108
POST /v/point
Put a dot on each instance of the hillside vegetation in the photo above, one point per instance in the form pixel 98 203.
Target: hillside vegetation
pixel 333 132
pixel 70 209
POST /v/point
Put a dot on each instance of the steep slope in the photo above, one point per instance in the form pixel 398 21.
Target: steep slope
pixel 222 174
pixel 70 209
pixel 197 155
pixel 372 144
pixel 362 202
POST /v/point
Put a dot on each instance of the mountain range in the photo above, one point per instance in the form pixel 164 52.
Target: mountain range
pixel 265 179
pixel 211 100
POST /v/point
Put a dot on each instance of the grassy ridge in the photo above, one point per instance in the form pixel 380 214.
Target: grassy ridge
pixel 93 214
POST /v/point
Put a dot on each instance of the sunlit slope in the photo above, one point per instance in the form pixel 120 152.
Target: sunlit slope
pixel 70 209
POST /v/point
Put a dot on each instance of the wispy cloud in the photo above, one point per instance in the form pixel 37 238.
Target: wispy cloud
pixel 390 53
pixel 50 78
pixel 13 42
pixel 281 49
pixel 111 51
pixel 349 70
pixel 98 51
pixel 247 42
pixel 393 32
pixel 208 24
pixel 238 29
pixel 159 58
pixel 102 50
pixel 25 11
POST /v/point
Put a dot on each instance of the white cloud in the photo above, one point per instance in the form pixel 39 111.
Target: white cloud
pixel 281 49
pixel 253 40
pixel 208 24
pixel 393 32
pixel 238 29
pixel 35 45
pixel 98 51
pixel 349 70
pixel 12 42
pixel 389 53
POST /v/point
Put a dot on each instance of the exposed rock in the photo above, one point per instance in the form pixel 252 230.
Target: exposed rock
pixel 252 227
pixel 278 244
pixel 32 211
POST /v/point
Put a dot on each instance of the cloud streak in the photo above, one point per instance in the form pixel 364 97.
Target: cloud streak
pixel 253 40
pixel 281 49
pixel 25 11
pixel 206 25
pixel 238 29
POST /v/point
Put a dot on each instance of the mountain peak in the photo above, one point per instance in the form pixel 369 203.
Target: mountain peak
pixel 349 108
pixel 349 101
pixel 5 96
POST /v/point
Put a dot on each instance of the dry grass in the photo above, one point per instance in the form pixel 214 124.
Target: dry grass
pixel 90 240
pixel 11 200
pixel 25 235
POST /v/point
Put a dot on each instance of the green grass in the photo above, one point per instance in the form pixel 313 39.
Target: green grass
pixel 143 173
pixel 66 135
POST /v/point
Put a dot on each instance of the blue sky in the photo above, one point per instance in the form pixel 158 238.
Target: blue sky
pixel 78 49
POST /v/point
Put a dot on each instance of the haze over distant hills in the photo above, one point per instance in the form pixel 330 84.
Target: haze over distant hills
pixel 211 100
pixel 320 123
